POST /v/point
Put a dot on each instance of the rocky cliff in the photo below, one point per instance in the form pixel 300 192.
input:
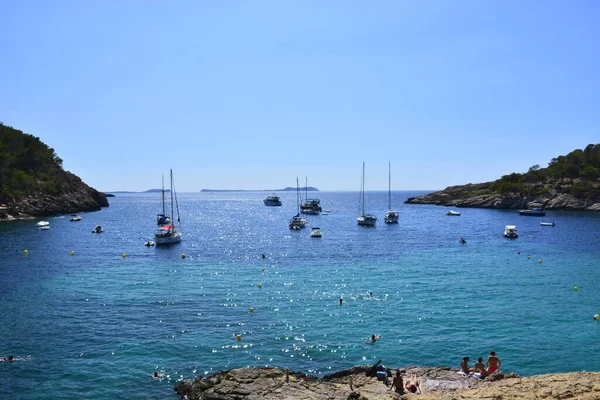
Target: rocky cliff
pixel 360 383
pixel 75 196
pixel 481 195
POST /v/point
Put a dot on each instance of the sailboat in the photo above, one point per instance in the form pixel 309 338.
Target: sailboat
pixel 531 212
pixel 391 216
pixel 168 234
pixel 364 219
pixel 297 222
pixel 163 219
pixel 310 206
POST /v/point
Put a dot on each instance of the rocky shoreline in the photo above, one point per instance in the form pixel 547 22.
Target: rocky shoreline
pixel 75 196
pixel 361 383
pixel 480 196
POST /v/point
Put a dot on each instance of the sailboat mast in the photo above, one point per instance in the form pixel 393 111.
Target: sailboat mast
pixel 297 195
pixel 172 215
pixel 389 185
pixel 163 193
pixel 363 190
pixel 306 188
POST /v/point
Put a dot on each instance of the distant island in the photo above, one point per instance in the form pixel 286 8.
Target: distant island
pixel 570 182
pixel 146 191
pixel 287 189
pixel 33 182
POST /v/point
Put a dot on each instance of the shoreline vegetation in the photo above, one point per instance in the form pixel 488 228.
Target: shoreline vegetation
pixel 570 182
pixel 33 182
pixel 363 383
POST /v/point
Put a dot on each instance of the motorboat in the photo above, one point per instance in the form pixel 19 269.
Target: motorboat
pixel 533 212
pixel 547 223
pixel 97 229
pixel 42 224
pixel 364 219
pixel 149 243
pixel 272 201
pixel 391 216
pixel 462 240
pixel 510 232
pixel 75 218
pixel 316 232
pixel 453 213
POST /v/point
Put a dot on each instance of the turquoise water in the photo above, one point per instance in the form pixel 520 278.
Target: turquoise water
pixel 97 325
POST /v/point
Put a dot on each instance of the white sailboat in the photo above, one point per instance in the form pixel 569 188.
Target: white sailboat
pixel 168 234
pixel 297 222
pixel 310 206
pixel 163 219
pixel 364 219
pixel 391 216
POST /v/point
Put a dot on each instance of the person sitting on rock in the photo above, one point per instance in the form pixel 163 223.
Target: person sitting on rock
pixel 464 366
pixel 413 384
pixel 398 383
pixel 493 363
pixel 480 368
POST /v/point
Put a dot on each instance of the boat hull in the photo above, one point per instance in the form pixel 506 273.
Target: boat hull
pixel 366 220
pixel 272 203
pixel 170 238
pixel 532 213
pixel 391 217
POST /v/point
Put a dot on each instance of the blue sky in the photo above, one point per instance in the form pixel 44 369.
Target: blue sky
pixel 252 94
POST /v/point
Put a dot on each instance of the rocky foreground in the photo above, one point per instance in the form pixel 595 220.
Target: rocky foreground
pixel 360 383
pixel 479 196
pixel 75 196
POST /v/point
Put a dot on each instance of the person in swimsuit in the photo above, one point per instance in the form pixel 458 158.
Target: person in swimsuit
pixel 493 363
pixel 398 383
pixel 464 366
pixel 480 368
pixel 413 384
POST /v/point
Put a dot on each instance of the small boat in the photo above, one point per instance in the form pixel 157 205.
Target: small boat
pixel 272 201
pixel 168 234
pixel 462 240
pixel 149 243
pixel 547 223
pixel 453 213
pixel 42 224
pixel 510 232
pixel 97 229
pixel 75 218
pixel 316 232
pixel 391 216
pixel 364 219
pixel 44 228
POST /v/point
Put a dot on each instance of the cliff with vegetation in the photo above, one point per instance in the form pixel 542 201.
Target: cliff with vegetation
pixel 570 182
pixel 33 182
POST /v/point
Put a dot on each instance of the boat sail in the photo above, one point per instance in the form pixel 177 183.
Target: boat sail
pixel 364 219
pixel 168 234
pixel 297 222
pixel 163 219
pixel 391 216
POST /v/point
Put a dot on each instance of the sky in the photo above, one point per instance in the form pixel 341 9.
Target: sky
pixel 252 94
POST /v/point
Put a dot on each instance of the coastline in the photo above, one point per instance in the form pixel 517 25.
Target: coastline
pixel 361 382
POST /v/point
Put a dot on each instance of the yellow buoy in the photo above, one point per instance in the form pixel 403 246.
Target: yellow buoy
pixel 540 260
pixel 575 288
pixel 183 255
pixel 123 255
pixel 25 251
pixel 72 253
pixel 251 309
pixel 529 257
pixel 238 337
pixel 597 317
pixel 263 270
pixel 259 285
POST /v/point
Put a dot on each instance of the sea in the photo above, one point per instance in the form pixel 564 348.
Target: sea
pixel 93 316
